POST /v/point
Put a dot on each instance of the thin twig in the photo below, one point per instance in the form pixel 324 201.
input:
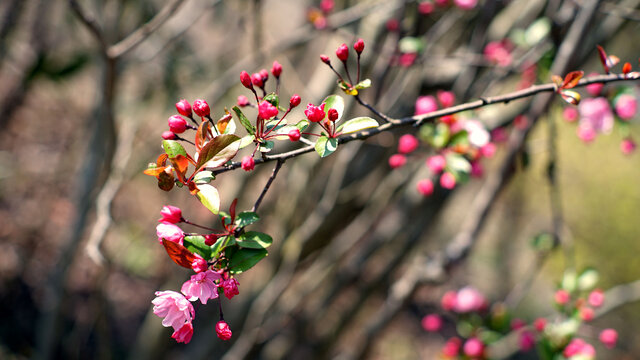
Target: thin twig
pixel 268 185
pixel 90 22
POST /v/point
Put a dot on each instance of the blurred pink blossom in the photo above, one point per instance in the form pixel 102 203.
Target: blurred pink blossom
pixel 170 232
pixel 626 106
pixel 432 322
pixel 426 104
pixel 597 113
pixel 498 52
pixel 609 337
pixel 469 299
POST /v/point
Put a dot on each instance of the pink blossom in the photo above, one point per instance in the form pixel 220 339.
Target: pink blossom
pixel 586 313
pixel 609 337
pixel 276 69
pixel 497 52
pixel 201 108
pixel 184 108
pixel 294 135
pixel 397 160
pixel 230 287
pixel 527 340
pixel 256 79
pixel 469 299
pixel 171 214
pixel 184 334
pixel 169 135
pixel 627 146
pixel 294 101
pixel 447 180
pixel 248 163
pixel 596 298
pixel 245 79
pixel 332 114
pixel 407 144
pixel 448 301
pixel 488 150
pixel 223 330
pixel 586 133
pixel 499 135
pixel 626 106
pixel 266 110
pixel 517 324
pixel 446 98
pixel 199 264
pixel 358 46
pixel 201 286
pixel 425 187
pixel 465 4
pixel 170 232
pixel 327 5
pixel 243 101
pixel 478 134
pixel 342 52
pixel 562 297
pixel 174 308
pixel 407 59
pixel 570 114
pixel 597 113
pixel 476 169
pixel 579 347
pixel 540 324
pixel 452 347
pixel 177 124
pixel 473 347
pixel 436 163
pixel 596 88
pixel 426 104
pixel 426 7
pixel 315 113
pixel 432 322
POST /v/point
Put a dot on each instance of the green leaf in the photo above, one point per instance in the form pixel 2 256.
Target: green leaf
pixel 409 44
pixel 366 83
pixel 537 31
pixel 334 102
pixel 302 124
pixel 357 124
pixel 244 259
pixel 459 166
pixel 459 138
pixel 274 124
pixel 231 127
pixel 195 244
pixel 326 146
pixel 218 151
pixel 203 177
pixel 542 242
pixel 244 121
pixel 173 148
pixel 254 240
pixel 441 136
pixel 266 146
pixel 588 279
pixel 218 246
pixel 273 99
pixel 246 218
pixel 246 141
pixel 209 197
pixel 426 132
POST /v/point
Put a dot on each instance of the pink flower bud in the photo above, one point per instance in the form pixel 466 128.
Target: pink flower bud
pixel 465 4
pixel 586 133
pixel 476 169
pixel 199 264
pixel 210 239
pixel 266 111
pixel 527 341
pixel 596 88
pixel 473 347
pixel 256 78
pixel 171 214
pixel 332 114
pixel 586 313
pixel 627 146
pixel 294 101
pixel 407 144
pixel 315 113
pixel 578 347
pixel 447 180
pixel 497 52
pixel 276 69
pixel 177 124
pixel 243 101
pixel 451 347
pixel 184 334
pixel 325 59
pixel 469 299
pixel 540 324
pixel 426 104
pixel 327 6
pixel 517 324
pixel 432 322
pixel 426 7
pixel 245 79
pixel 596 298
pixel 392 25
pixel 570 114
pixel 448 301
pixel 170 232
pixel 184 108
pixel 230 287
pixel 488 150
pixel 425 187
pixel 397 160
pixel 294 135
pixel 608 337
pixel 201 108
pixel 359 46
pixel 223 330
pixel 248 163
pixel 169 135
pixel 561 297
pixel 342 52
pixel 264 74
pixel 626 106
pixel 446 98
pixel 436 163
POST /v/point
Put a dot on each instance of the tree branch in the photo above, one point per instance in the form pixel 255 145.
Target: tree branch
pixel 268 185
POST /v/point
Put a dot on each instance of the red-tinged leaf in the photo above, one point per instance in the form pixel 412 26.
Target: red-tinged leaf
pixel 155 171
pixel 202 135
pixel 162 159
pixel 213 147
pixel 165 181
pixel 232 209
pixel 570 97
pixel 572 78
pixel 180 165
pixel 603 58
pixel 178 253
pixel 626 68
pixel 224 121
pixel 557 80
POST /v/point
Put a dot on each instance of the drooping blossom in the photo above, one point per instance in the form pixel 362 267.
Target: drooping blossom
pixel 426 104
pixel 171 214
pixel 201 286
pixel 174 308
pixel 626 106
pixel 223 330
pixel 315 113
pixel 170 232
pixel 248 163
pixel 609 337
pixel 266 110
pixel 425 187
pixel 397 160
pixel 245 79
pixel 230 287
pixel 184 334
pixel 169 135
pixel 407 144
pixel 597 113
pixel 432 322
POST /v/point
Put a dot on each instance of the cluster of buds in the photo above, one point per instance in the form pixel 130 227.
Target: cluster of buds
pixel 342 53
pixel 318 16
pixel 178 124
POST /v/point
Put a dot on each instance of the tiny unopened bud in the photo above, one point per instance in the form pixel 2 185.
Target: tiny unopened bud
pixel 540 324
pixel 325 59
pixel 407 144
pixel 201 108
pixel 184 108
pixel 256 78
pixel 199 264
pixel 327 6
pixel 425 188
pixel 342 52
pixel 397 160
pixel 248 163
pixel 223 330
pixel 294 135
pixel 177 124
pixel 359 46
pixel 210 239
pixel 264 74
pixel 294 101
pixel 243 101
pixel 586 313
pixel 447 180
pixel 332 114
pixel 276 69
pixel 245 79
pixel 169 135
pixel 473 347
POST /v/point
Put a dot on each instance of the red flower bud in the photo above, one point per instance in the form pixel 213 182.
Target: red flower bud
pixel 201 108
pixel 276 69
pixel 245 79
pixel 256 78
pixel 243 101
pixel 169 135
pixel 325 59
pixel 294 135
pixel 327 6
pixel 315 113
pixel 210 239
pixel 333 114
pixel 294 101
pixel 223 330
pixel 359 46
pixel 248 163
pixel 266 110
pixel 177 124
pixel 343 52
pixel 184 108
pixel 264 74
pixel 397 160
pixel 171 214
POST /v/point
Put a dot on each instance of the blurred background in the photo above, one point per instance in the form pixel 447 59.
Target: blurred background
pixel 85 91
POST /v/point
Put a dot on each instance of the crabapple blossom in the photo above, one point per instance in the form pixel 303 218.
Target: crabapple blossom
pixel 425 187
pixel 332 114
pixel 579 347
pixel 184 334
pixel 426 7
pixel 586 133
pixel 230 287
pixel 465 4
pixel 627 146
pixel 342 52
pixel 488 150
pixel 407 144
pixel 243 101
pixel 608 337
pixel 446 98
pixel 397 160
pixel 266 110
pixel 276 69
pixel 570 114
pixel 358 46
pixel 177 124
pixel 561 297
pixel 436 163
pixel 223 330
pixel 527 340
pixel 626 106
pixel 169 135
pixel 256 79
pixel 248 163
pixel 447 180
pixel 201 286
pixel 596 88
pixel 184 108
pixel 539 324
pixel 586 313
pixel 597 113
pixel 201 108
pixel 473 347
pixel 294 101
pixel 315 113
pixel 170 232
pixel 294 135
pixel 171 214
pixel 426 104
pixel 245 79
pixel 448 301
pixel 432 322
pixel 199 264
pixel 596 298
pixel 468 299
pixel 174 308
pixel 498 52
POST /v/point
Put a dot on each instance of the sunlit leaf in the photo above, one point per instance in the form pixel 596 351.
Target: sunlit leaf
pixel 246 218
pixel 209 197
pixel 254 240
pixel 570 97
pixel 302 124
pixel 203 177
pixel 326 146
pixel 273 99
pixel 196 244
pixel 363 84
pixel 334 102
pixel 572 78
pixel 178 253
pixel 244 259
pixel 357 124
pixel 244 121
pixel 173 148
pixel 218 151
pixel 180 165
pixel 246 141
pixel 537 31
pixel 266 146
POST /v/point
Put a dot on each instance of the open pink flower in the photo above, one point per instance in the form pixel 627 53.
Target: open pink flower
pixel 174 308
pixel 170 232
pixel 184 334
pixel 597 113
pixel 202 286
